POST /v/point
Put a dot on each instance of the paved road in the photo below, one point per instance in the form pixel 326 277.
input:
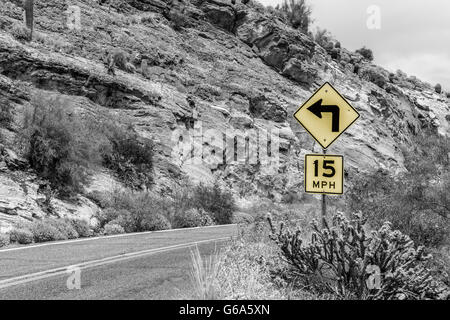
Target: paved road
pixel 138 266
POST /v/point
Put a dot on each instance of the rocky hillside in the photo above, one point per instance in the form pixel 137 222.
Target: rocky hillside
pixel 230 67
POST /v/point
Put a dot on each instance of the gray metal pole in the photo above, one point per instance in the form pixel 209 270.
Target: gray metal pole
pixel 324 204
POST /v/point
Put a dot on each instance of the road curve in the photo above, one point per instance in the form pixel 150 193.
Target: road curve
pixel 132 263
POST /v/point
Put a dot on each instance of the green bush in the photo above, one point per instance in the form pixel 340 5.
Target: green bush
pixel 366 53
pixel 121 217
pixel 137 209
pixel 346 261
pixel 130 157
pixel 242 218
pixel 322 37
pixel 64 227
pixel 192 218
pixel 155 222
pixel 117 58
pixel 58 145
pixel 178 18
pixel 43 232
pixel 297 13
pixel 81 227
pixel 21 236
pixel 215 200
pixel 112 228
pixel 417 201
pixel 4 240
pixel 101 199
pixel 20 32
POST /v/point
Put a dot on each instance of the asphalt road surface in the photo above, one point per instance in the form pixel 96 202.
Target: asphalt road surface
pixel 153 265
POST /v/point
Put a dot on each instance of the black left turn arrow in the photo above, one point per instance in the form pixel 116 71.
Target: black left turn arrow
pixel 317 108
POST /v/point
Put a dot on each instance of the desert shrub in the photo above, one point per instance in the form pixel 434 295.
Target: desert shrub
pixel 117 58
pixel 337 45
pixel 58 145
pixel 298 14
pixel 130 157
pixel 112 228
pixel 322 37
pixel 192 218
pixel 21 236
pixel 142 207
pixel 366 53
pixel 335 54
pixel 81 227
pixel 108 215
pixel 417 201
pixel 6 113
pixel 63 226
pixel 155 222
pixel 438 88
pixel 178 18
pixel 215 200
pixel 100 198
pixel 4 240
pixel 346 261
pixel 122 217
pixel 20 32
pixel 242 218
pixel 43 231
pixel 374 75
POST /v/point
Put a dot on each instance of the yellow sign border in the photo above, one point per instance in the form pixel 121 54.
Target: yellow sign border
pixel 317 140
pixel 325 155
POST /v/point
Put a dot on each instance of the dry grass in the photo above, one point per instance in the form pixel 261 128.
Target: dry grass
pixel 204 276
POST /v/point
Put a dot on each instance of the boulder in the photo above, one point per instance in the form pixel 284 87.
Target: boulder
pixel 300 71
pixel 266 107
pixel 219 13
pixel 18 197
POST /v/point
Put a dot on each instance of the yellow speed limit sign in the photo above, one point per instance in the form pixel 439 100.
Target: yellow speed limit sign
pixel 324 174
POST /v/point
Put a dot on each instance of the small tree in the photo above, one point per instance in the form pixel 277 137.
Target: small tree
pixel 438 88
pixel 298 14
pixel 58 145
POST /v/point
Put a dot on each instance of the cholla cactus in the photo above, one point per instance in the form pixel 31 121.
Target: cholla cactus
pixel 29 15
pixel 340 259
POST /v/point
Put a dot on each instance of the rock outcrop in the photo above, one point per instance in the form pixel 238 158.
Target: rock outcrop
pixel 234 69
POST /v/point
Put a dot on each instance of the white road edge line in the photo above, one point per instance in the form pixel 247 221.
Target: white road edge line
pixel 54 243
pixel 95 263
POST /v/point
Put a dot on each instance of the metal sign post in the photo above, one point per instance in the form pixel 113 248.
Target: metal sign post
pixel 324 203
pixel 326 115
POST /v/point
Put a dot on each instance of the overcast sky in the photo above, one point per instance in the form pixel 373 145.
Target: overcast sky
pixel 414 34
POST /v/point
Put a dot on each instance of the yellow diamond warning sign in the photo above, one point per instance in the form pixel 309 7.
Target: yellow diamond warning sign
pixel 324 174
pixel 326 115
